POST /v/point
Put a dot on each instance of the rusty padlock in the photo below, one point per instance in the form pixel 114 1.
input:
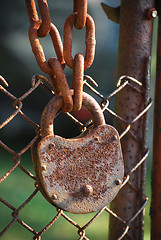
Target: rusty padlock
pixel 82 174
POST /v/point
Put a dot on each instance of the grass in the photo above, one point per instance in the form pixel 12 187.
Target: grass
pixel 17 187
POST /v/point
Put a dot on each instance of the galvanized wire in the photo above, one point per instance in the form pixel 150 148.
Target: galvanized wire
pixel 37 81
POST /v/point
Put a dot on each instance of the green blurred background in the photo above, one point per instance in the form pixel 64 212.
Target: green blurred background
pixel 17 66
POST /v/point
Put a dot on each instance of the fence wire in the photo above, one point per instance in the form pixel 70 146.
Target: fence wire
pixel 37 81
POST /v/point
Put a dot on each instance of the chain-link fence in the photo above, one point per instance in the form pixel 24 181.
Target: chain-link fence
pixel 17 159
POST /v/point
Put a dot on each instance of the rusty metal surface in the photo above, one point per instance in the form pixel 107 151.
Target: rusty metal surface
pixel 135 40
pixel 67 166
pixel 56 103
pixel 38 50
pixel 125 83
pixel 90 40
pixel 156 171
pixel 77 81
pixel 45 15
pixel 83 174
pixel 80 6
pixel 61 84
pixel 38 80
pixel 41 28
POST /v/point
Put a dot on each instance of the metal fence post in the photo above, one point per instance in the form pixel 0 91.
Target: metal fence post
pixel 135 42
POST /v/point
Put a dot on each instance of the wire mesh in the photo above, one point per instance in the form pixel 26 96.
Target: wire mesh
pixel 37 81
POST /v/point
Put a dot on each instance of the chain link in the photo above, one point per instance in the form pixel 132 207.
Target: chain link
pixel 62 85
pixel 77 83
pixel 38 50
pixel 79 19
pixel 80 6
pixel 90 41
pixel 41 28
pixel 54 68
pixel 45 15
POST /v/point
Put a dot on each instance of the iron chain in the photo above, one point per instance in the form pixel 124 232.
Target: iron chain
pixel 54 67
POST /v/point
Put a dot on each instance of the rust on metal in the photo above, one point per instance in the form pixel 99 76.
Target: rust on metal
pixel 80 6
pixel 38 81
pixel 40 28
pixel 86 190
pixel 57 43
pixel 81 172
pixel 56 88
pixel 156 170
pixel 75 5
pixel 45 16
pixel 77 82
pixel 4 81
pixel 61 83
pixel 152 13
pixel 90 41
pixel 78 175
pixel 55 105
pixel 31 10
pixel 135 42
pixel 38 50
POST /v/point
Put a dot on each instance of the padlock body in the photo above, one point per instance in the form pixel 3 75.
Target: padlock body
pixel 80 175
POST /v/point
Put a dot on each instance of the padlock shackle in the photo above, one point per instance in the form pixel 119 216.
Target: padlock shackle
pixel 56 103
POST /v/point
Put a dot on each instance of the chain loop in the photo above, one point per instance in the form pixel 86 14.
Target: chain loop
pixel 77 83
pixel 38 50
pixel 75 6
pixel 54 67
pixel 90 40
pixel 62 85
pixel 57 43
pixel 45 15
pixel 80 6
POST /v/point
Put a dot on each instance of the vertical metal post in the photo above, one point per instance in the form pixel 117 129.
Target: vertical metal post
pixel 135 42
pixel 156 167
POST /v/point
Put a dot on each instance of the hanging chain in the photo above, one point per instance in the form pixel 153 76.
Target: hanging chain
pixel 79 63
pixel 81 8
pixel 45 15
pixel 54 66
